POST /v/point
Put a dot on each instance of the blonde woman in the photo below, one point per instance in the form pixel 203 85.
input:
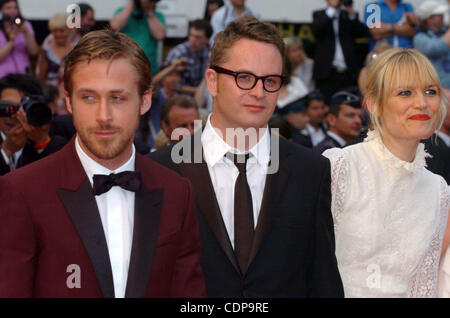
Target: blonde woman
pixel 301 65
pixel 53 51
pixel 390 212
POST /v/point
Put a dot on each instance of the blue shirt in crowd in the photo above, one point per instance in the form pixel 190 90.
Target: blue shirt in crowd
pixel 196 65
pixel 437 50
pixel 391 17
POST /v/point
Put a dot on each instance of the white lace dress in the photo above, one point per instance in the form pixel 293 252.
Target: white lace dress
pixel 390 217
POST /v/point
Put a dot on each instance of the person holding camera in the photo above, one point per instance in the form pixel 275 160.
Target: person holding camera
pixel 141 22
pixel 24 123
pixel 336 61
pixel 196 52
pixel 16 40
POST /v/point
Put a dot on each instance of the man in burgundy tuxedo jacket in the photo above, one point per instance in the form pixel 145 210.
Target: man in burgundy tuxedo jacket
pixel 67 230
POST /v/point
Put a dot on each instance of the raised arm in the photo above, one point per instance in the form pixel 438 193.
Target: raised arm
pixel 119 21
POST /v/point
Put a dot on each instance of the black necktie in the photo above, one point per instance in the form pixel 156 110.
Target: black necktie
pixel 128 180
pixel 243 213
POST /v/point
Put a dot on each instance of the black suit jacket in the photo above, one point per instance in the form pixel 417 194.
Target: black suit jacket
pixel 327 143
pixel 29 154
pixel 293 248
pixel 349 30
pixel 439 163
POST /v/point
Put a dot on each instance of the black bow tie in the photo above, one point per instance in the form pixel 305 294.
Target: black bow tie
pixel 128 180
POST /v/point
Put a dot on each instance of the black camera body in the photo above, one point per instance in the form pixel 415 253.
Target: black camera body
pixel 37 110
pixel 17 20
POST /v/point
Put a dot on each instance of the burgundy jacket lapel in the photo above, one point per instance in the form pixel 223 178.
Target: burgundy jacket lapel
pixel 78 199
pixel 147 213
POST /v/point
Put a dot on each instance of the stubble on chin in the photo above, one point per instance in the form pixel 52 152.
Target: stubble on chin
pixel 105 149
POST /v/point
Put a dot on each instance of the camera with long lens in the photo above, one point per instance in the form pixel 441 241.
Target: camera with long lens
pixel 37 111
pixel 17 20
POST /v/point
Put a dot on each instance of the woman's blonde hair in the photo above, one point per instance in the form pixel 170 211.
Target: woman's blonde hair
pixel 396 66
pixel 291 41
pixel 58 21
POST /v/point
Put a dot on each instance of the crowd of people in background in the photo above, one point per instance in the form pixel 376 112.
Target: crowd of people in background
pixel 320 104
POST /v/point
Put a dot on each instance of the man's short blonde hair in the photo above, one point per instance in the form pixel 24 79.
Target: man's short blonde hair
pixel 109 45
pixel 396 66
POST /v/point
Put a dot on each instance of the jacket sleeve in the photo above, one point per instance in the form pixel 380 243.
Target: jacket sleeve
pixel 324 278
pixel 321 24
pixel 18 248
pixel 188 280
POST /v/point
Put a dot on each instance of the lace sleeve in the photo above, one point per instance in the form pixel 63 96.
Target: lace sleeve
pixel 424 284
pixel 340 177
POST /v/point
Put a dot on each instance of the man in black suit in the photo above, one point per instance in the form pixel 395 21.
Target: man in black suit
pixel 336 60
pixel 263 203
pixel 20 142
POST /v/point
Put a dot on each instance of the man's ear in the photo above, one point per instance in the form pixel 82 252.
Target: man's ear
pixel 146 102
pixel 165 128
pixel 211 81
pixel 68 102
pixel 331 120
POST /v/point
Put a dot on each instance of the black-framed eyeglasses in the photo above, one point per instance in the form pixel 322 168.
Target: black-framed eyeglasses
pixel 246 80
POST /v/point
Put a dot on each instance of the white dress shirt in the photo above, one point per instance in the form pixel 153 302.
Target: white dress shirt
pixel 337 138
pixel 224 173
pixel 317 135
pixel 339 59
pixel 116 208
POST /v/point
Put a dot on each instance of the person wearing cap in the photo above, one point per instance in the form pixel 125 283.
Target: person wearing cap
pixel 344 121
pixel 434 38
pixel 295 115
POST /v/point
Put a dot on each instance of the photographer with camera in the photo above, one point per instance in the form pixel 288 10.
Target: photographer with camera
pixel 336 62
pixel 16 40
pixel 196 53
pixel 24 123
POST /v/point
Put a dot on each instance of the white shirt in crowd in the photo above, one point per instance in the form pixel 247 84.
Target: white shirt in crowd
pixel 338 60
pixel 317 135
pixel 224 173
pixel 226 14
pixel 116 208
pixel 337 138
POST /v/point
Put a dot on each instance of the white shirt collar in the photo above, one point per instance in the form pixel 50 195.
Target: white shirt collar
pixel 340 141
pixel 92 167
pixel 215 147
